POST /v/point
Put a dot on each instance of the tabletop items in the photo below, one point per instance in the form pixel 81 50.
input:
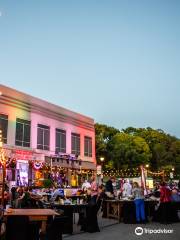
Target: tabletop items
pixel 42 206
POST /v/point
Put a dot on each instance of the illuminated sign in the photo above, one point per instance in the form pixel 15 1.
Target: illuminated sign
pixel 27 155
pixel 22 154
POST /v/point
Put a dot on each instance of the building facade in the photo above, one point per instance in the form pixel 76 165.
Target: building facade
pixel 39 135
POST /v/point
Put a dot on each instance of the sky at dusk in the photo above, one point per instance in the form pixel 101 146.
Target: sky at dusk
pixel 115 61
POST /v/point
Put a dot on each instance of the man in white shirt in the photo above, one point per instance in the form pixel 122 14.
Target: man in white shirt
pixel 127 189
pixel 86 185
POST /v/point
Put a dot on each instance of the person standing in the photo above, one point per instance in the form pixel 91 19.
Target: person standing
pixel 127 189
pixel 179 185
pixel 165 199
pixel 86 185
pixel 109 185
pixel 93 186
pixel 139 202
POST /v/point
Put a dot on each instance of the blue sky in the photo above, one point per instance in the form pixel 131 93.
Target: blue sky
pixel 116 61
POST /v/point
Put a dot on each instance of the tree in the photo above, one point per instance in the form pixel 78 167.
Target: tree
pixel 159 143
pixel 104 134
pixel 129 151
pixel 175 151
pixel 132 147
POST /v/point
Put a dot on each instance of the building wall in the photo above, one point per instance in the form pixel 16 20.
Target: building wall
pixel 35 118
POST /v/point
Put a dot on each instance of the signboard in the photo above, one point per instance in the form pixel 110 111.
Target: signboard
pixel 149 183
pixel 99 169
pixel 22 154
pixel 27 155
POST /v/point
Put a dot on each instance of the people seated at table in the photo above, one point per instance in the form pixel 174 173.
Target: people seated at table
pixel 18 195
pixel 13 196
pixel 24 200
pixel 6 198
pixel 56 194
pixel 138 194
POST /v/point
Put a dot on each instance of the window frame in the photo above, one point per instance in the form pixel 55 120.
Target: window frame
pixel 88 151
pixel 77 138
pixel 22 142
pixel 60 133
pixel 4 117
pixel 45 129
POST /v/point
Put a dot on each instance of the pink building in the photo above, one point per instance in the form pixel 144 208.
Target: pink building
pixel 39 135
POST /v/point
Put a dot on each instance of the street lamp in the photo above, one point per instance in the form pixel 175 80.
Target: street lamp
pixel 147 165
pixel 102 161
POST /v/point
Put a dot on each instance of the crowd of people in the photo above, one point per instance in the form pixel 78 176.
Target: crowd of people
pixel 23 197
pixel 20 197
pixel 124 189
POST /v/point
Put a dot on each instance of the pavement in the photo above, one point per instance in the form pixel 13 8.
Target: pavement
pixel 127 232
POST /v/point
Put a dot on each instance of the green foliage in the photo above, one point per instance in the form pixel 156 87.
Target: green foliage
pixel 104 134
pixel 132 147
pixel 47 183
pixel 109 165
pixel 128 150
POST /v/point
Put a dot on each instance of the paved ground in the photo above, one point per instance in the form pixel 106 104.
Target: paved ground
pixel 127 232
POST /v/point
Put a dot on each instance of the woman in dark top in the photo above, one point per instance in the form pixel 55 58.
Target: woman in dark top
pixel 90 223
pixel 100 197
pixel 109 185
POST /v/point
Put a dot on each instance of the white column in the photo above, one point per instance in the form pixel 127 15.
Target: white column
pixel 82 146
pixel 68 141
pixel 52 139
pixel 11 129
pixel 93 148
pixel 33 132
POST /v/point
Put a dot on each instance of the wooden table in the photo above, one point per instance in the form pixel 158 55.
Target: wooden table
pixel 34 215
pixel 114 209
